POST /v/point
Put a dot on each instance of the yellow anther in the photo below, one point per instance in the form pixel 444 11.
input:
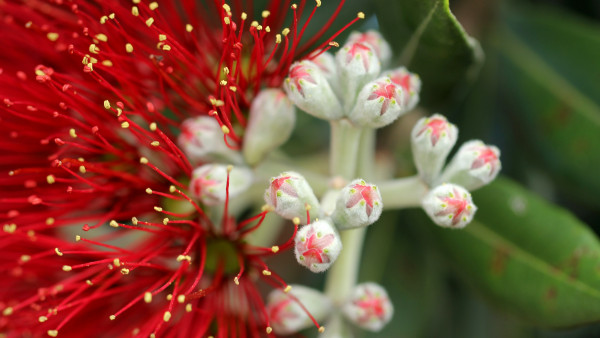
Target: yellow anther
pixel 134 220
pixel 236 281
pixel 94 49
pixel 233 88
pixel 162 37
pixel 111 16
pixel 226 70
pixel 25 258
pixel 149 22
pixel 129 48
pixel 188 308
pixel 360 15
pixel 294 6
pixel 42 319
pixel 135 11
pixel 244 16
pixel 112 317
pixel 101 37
pixel 189 28
pixel 181 299
pixel 269 330
pixel 172 188
pixel 103 19
pixel 155 143
pixel 72 133
pixel 113 224
pixel 153 126
pixel 117 262
pixel 8 311
pixel 166 220
pixel 226 8
pixel 254 24
pixel 82 169
pixel 278 38
pixel 58 252
pixel 166 47
pixel 159 209
pixel 287 289
pixel 49 221
pixel 28 24
pixel 274 248
pixel 89 282
pixel 167 316
pixel 136 1
pixel 296 220
pixel 148 191
pixel 67 268
pixel 77 238
pixel 107 63
pixel 265 14
pixel 223 83
pixel 10 228
pixel 334 44
pixel 52 36
pixel 125 271
pixel 143 160
pixel 259 27
pixel 169 297
pixel 285 31
pixel 106 104
pixel 148 297
pixel 153 5
pixel 321 329
pixel 90 66
pixel 225 129
pixel 125 124
pixel 52 333
pixel 226 20
pixel 50 179
pixel 266 272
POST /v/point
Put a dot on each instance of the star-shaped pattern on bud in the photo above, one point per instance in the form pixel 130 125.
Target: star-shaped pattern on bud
pixel 359 51
pixel 281 185
pixel 410 84
pixel 290 195
pixel 487 156
pixel 369 307
pixel 474 165
pixel 358 205
pixel 365 194
pixel 387 93
pixel 376 41
pixel 450 205
pixel 436 127
pixel 299 73
pixel 317 245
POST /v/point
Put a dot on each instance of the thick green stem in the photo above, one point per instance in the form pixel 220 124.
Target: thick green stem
pixel 347 162
pixel 402 192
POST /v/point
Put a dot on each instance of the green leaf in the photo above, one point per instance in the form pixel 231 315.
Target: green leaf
pixel 531 257
pixel 432 43
pixel 550 74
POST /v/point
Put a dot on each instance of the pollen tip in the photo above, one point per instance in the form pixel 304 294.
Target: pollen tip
pixel 42 319
pixel 77 238
pixel 269 330
pixel 189 28
pixel 236 281
pixel 287 289
pixel 52 333
pixel 157 208
pixel 244 16
pixel 50 179
pixel 112 317
pixel 274 248
pixel 360 15
pixel 266 272
pixel 113 224
pixel 167 316
pixel 134 220
pixel 143 160
pixel 148 297
pixel 225 130
pixel 106 104
pixel 7 311
pixel 153 126
pixel 181 299
pixel 58 252
pixel 153 5
pixel 172 188
pixel 229 168
pixel 150 21
pixel 318 3
pixel 321 329
pixel 166 220
pixel 67 268
pixel 296 220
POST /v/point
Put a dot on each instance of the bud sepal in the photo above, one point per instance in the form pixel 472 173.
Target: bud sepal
pixel 289 194
pixel 474 165
pixel 317 245
pixel 358 205
pixel 369 307
pixel 450 206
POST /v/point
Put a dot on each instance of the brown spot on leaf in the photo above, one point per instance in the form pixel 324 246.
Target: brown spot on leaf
pixel 551 293
pixel 499 259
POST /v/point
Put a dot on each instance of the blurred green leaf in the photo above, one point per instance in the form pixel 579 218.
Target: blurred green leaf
pixel 550 73
pixel 432 43
pixel 532 258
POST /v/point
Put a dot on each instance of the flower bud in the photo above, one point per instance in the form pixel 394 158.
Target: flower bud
pixel 209 182
pixel 290 194
pixel 358 205
pixel 432 138
pixel 369 307
pixel 410 83
pixel 317 245
pixel 374 39
pixel 270 124
pixel 474 165
pixel 357 65
pixel 449 205
pixel 326 63
pixel 202 140
pixel 308 88
pixel 286 316
pixel 379 103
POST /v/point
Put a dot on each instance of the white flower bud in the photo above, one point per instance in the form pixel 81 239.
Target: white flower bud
pixel 380 46
pixel 286 316
pixel 202 140
pixel 270 124
pixel 290 194
pixel 317 245
pixel 432 138
pixel 474 165
pixel 308 88
pixel 358 205
pixel 357 64
pixel 369 307
pixel 410 83
pixel 449 205
pixel 379 103
pixel 209 182
pixel 326 62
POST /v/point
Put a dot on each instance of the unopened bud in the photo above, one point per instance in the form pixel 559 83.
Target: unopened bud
pixel 270 124
pixel 326 63
pixel 474 165
pixel 358 205
pixel 202 140
pixel 209 182
pixel 357 65
pixel 432 138
pixel 308 88
pixel 317 245
pixel 286 316
pixel 410 83
pixel 449 205
pixel 378 104
pixel 376 41
pixel 289 195
pixel 369 307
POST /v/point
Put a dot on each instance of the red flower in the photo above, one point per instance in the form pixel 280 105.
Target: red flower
pixel 92 95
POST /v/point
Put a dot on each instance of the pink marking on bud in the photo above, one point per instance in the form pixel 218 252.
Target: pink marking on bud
pixel 299 73
pixel 282 184
pixel 280 312
pixel 373 307
pixel 455 206
pixel 387 91
pixel 486 156
pixel 437 126
pixel 361 50
pixel 313 247
pixel 363 193
pixel 370 38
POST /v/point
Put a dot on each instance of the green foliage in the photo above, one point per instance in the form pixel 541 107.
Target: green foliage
pixel 431 43
pixel 533 258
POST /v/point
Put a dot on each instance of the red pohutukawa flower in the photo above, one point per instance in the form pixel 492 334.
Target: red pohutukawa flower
pixel 92 96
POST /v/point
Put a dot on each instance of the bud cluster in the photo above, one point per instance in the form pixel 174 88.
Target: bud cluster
pixel 351 85
pixel 475 164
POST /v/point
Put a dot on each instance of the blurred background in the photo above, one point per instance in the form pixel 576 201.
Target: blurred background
pixel 530 265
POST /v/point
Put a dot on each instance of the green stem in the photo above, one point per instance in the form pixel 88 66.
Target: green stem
pixel 352 150
pixel 402 192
